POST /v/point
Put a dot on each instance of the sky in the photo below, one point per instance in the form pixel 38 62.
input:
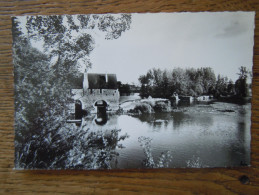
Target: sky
pixel 221 40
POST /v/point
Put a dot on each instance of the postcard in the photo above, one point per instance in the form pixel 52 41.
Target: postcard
pixel 133 91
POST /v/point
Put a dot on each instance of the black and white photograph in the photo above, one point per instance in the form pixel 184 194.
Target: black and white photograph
pixel 133 91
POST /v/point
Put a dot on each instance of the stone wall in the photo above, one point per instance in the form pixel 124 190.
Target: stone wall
pixel 90 96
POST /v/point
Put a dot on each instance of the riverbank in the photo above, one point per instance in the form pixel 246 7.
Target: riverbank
pixel 149 105
pixel 154 105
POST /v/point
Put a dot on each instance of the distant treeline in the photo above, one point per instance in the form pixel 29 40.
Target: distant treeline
pixel 127 89
pixel 192 82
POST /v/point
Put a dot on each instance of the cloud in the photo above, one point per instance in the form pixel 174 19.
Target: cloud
pixel 235 27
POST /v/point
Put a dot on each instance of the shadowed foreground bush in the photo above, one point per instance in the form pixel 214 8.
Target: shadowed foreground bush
pixel 73 148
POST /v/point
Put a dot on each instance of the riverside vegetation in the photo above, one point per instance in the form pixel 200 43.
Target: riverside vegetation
pixel 43 78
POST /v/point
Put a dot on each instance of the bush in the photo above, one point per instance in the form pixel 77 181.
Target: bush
pixel 141 108
pixel 164 106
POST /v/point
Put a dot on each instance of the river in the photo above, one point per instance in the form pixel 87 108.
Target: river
pixel 201 135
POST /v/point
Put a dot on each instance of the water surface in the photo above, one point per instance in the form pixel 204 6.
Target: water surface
pixel 203 135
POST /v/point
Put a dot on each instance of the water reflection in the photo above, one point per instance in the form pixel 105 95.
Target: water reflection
pixel 101 119
pixel 161 120
pixel 197 136
pixel 96 143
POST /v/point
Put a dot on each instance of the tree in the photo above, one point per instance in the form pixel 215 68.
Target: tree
pixel 145 89
pixel 165 92
pixel 241 86
pixel 180 81
pixel 124 89
pixel 243 74
pixel 208 80
pixel 201 80
pixel 156 77
pixel 231 87
pixel 71 38
pixel 163 83
pixel 221 86
pixel 44 76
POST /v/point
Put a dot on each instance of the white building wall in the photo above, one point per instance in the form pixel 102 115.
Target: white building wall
pixel 89 97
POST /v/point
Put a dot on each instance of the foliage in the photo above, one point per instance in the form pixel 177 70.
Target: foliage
pixel 71 38
pixel 163 84
pixel 221 86
pixel 195 162
pixel 231 87
pixel 124 89
pixel 44 76
pixel 191 82
pixel 39 106
pixel 241 86
pixel 164 159
pixel 162 106
pixel 141 108
pixel 71 147
pixel 94 150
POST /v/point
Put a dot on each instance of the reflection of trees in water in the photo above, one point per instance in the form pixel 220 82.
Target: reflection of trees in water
pixel 155 119
pixel 240 150
pixel 164 159
pixel 178 119
pixel 203 119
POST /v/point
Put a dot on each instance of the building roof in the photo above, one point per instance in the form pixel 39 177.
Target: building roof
pixel 112 81
pixel 96 81
pixel 100 81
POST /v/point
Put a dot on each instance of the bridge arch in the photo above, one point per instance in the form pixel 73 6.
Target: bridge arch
pixel 100 102
pixel 78 109
pixel 101 108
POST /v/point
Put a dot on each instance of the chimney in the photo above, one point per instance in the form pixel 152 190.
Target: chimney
pixel 85 83
pixel 106 77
